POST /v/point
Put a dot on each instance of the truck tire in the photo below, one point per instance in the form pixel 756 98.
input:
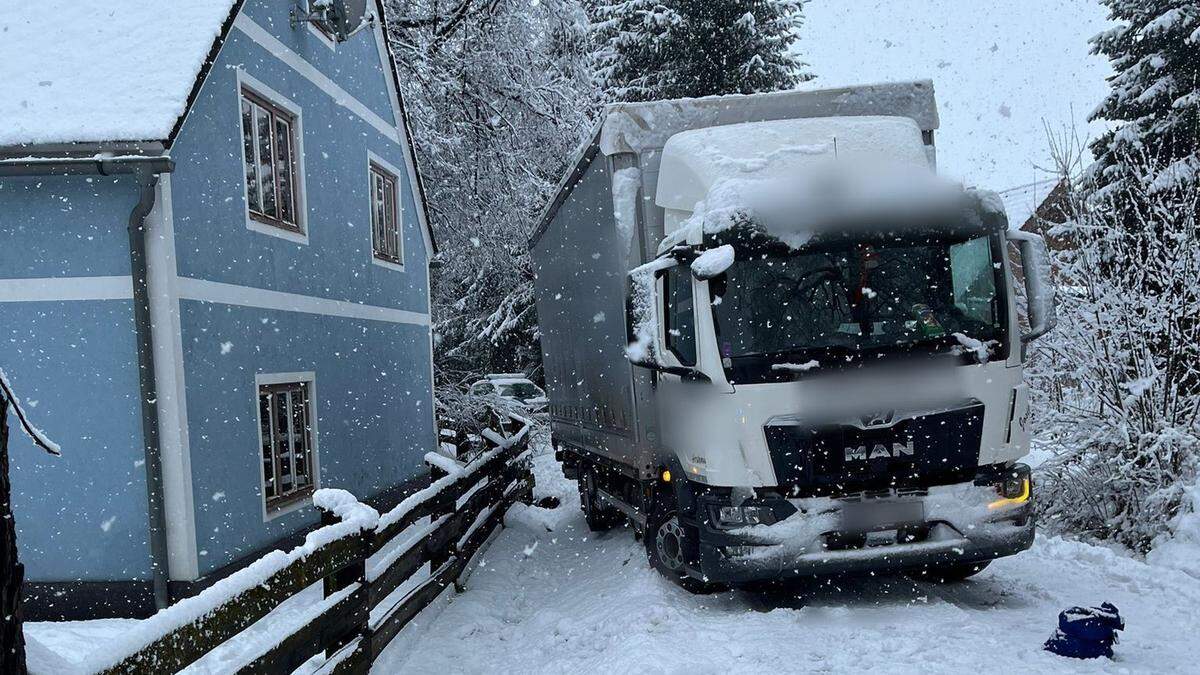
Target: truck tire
pixel 949 574
pixel 670 545
pixel 599 518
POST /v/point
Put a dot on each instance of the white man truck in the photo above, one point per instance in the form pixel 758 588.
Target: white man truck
pixel 779 345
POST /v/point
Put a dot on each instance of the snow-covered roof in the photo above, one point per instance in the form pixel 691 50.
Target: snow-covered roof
pixel 101 70
pixel 1022 201
pixel 694 161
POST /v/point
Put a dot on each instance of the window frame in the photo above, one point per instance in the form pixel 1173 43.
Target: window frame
pixel 256 93
pixel 376 164
pixel 280 504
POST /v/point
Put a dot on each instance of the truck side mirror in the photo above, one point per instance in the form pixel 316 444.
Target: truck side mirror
pixel 643 309
pixel 1039 286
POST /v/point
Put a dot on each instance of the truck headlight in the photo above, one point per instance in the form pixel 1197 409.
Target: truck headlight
pixel 743 516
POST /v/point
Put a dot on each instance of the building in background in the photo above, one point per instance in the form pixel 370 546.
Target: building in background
pixel 214 287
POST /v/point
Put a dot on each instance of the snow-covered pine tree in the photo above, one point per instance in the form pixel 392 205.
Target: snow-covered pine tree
pixel 1155 97
pixel 652 49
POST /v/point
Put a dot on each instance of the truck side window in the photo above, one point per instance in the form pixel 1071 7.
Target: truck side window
pixel 680 321
pixel 974 278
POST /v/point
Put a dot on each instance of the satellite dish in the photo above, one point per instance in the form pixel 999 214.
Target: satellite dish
pixel 339 19
pixel 346 16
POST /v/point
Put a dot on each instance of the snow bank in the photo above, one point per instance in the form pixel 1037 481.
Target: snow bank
pixel 86 70
pixel 1181 549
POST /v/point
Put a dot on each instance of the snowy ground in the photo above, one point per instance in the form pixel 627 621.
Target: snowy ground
pixel 549 596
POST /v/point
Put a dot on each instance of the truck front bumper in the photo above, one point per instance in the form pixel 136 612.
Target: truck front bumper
pixel 956 526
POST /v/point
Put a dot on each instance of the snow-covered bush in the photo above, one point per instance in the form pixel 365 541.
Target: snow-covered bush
pixel 466 417
pixel 1118 382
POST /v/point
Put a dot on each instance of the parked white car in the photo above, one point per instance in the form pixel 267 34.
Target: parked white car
pixel 513 387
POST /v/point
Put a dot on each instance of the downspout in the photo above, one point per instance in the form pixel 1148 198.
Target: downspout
pixel 145 170
pixel 156 511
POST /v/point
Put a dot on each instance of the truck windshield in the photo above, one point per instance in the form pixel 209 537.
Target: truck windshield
pixel 845 300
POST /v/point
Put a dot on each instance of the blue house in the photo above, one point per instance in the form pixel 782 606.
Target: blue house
pixel 214 286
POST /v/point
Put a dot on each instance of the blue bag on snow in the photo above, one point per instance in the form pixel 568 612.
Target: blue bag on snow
pixel 1086 632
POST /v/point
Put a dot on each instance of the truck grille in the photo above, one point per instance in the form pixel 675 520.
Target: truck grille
pixel 916 452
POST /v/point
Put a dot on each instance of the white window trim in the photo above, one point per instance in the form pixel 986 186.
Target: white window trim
pixel 244 80
pixel 309 377
pixel 373 158
pixel 312 28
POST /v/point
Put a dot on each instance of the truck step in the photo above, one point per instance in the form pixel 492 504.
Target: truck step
pixel 629 510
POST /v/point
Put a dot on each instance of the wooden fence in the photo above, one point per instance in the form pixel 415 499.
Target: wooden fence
pixel 443 526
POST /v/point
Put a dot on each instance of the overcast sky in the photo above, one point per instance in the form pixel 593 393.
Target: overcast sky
pixel 999 68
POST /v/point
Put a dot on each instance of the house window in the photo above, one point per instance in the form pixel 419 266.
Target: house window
pixel 269 144
pixel 285 421
pixel 385 226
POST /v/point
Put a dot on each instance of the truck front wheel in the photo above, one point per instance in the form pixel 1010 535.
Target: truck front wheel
pixel 670 546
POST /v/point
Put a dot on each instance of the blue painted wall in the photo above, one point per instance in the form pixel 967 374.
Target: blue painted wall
pixel 56 226
pixel 373 384
pixel 372 403
pixel 210 232
pixel 82 515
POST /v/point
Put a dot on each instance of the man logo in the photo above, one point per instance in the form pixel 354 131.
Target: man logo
pixel 863 453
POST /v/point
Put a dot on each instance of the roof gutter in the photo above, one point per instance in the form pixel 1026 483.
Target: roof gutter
pixel 146 170
pixel 102 165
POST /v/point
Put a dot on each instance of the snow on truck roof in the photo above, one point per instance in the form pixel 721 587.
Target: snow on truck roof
pixel 101 70
pixel 694 161
pixel 634 127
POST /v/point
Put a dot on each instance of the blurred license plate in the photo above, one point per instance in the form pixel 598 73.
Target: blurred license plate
pixel 873 515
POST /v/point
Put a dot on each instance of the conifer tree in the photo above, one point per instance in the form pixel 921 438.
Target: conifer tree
pixel 651 49
pixel 1155 98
